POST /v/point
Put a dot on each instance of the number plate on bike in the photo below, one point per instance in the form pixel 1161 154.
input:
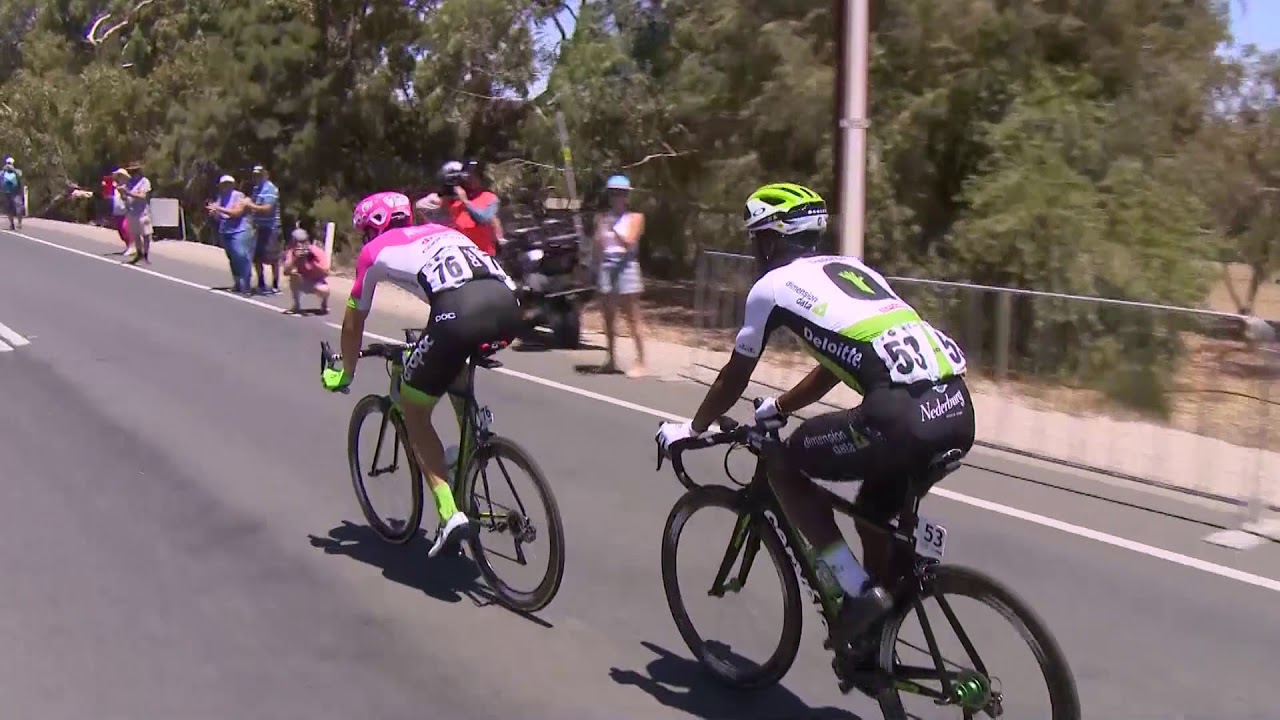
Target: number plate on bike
pixel 484 418
pixel 931 539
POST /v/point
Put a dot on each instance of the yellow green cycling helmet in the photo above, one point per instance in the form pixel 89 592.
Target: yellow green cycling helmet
pixel 785 221
pixel 785 208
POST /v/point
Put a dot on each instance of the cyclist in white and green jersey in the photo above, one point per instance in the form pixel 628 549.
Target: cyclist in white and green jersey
pixel 915 402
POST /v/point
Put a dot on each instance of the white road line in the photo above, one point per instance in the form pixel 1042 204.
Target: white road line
pixel 1084 532
pixel 556 385
pixel 1042 520
pixel 12 338
pixel 5 348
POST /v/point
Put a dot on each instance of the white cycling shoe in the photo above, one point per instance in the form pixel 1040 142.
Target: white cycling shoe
pixel 457 528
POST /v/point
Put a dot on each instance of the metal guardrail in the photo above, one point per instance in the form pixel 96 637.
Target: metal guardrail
pixel 1179 398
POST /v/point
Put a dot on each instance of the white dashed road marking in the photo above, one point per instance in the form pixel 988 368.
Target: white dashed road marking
pixel 10 339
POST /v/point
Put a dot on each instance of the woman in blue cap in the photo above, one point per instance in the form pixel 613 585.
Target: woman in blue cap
pixel 618 233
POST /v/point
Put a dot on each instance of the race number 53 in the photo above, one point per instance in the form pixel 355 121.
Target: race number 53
pixel 931 539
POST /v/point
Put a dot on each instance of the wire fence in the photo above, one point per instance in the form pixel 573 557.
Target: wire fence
pixel 1181 398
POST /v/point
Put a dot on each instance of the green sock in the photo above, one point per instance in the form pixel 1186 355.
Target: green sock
pixel 444 501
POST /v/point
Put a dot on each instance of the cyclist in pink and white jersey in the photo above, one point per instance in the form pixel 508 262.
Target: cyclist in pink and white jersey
pixel 472 301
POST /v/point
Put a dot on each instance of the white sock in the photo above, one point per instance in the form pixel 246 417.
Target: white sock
pixel 850 575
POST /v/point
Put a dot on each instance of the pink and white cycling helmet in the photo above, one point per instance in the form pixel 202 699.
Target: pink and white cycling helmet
pixel 380 212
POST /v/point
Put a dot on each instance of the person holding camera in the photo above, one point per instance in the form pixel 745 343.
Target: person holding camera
pixel 472 210
pixel 307 268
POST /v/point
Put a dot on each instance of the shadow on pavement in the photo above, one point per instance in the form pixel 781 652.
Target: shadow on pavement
pixel 596 369
pixel 682 684
pixel 540 342
pixel 448 578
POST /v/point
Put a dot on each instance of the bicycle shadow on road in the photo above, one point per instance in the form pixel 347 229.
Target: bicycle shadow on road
pixel 448 578
pixel 682 684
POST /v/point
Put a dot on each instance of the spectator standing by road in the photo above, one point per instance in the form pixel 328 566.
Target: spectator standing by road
pixel 307 266
pixel 618 232
pixel 11 187
pixel 137 198
pixel 117 208
pixel 229 210
pixel 265 206
pixel 472 210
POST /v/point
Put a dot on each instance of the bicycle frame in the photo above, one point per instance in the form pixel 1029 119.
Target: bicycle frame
pixel 474 435
pixel 474 432
pixel 760 497
pixel 759 500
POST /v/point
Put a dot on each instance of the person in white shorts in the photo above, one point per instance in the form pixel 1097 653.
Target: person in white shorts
pixel 618 232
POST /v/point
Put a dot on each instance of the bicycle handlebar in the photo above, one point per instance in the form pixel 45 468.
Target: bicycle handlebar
pixel 386 351
pixel 731 431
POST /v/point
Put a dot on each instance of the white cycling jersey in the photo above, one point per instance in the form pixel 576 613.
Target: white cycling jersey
pixel 851 321
pixel 423 259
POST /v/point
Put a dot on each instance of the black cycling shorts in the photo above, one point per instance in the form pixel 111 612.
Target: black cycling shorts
pixel 462 319
pixel 895 432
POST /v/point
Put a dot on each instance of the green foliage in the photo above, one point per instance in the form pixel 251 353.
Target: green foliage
pixel 1096 148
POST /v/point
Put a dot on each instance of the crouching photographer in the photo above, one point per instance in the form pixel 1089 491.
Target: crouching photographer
pixel 470 208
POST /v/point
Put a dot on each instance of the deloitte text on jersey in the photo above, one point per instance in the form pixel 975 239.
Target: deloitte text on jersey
pixel 847 354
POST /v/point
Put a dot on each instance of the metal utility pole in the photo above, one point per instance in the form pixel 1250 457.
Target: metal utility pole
pixel 853 42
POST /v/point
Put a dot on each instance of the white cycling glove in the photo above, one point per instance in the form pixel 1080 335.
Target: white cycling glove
pixel 669 432
pixel 768 414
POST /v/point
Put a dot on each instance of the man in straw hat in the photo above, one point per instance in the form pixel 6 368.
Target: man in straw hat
pixel 137 200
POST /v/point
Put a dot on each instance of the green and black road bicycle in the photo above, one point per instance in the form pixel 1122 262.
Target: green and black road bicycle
pixel 483 451
pixel 918 548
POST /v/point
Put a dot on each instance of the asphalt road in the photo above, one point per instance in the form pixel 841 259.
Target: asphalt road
pixel 180 540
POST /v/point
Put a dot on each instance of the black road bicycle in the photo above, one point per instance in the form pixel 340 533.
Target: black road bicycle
pixel 471 475
pixel 918 544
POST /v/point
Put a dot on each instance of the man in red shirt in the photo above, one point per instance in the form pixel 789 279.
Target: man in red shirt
pixel 472 210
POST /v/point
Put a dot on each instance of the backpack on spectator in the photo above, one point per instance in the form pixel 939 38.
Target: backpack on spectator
pixel 10 180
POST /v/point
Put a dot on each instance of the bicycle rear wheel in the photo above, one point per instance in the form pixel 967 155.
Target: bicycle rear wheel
pixel 513 521
pixel 758 532
pixel 393 449
pixel 971 687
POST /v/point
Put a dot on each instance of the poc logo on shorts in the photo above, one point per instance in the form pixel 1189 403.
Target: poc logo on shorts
pixel 847 354
pixel 446 316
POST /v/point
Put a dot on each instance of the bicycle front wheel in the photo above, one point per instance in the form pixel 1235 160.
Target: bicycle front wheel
pixel 751 532
pixel 391 452
pixel 965 683
pixel 512 520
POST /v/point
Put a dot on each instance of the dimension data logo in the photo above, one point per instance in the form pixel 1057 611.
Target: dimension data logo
pixel 847 354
